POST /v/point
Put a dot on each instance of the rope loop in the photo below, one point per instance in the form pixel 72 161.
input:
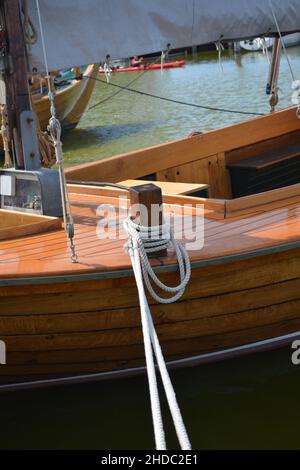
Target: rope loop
pixel 151 240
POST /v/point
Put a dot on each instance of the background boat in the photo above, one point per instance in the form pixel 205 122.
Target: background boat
pixel 165 65
pixel 258 44
pixel 71 100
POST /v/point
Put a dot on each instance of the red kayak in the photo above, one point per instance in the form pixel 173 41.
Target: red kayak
pixel 166 65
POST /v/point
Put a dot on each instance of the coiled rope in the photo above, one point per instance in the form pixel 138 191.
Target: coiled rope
pixel 154 239
pixel 143 240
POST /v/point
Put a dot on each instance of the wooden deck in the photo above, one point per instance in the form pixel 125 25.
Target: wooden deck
pixel 236 233
pixel 61 319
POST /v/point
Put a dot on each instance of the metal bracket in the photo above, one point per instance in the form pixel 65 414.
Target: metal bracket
pixel 30 143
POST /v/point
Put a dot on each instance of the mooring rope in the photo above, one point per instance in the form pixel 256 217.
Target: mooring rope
pixel 143 240
pixel 5 136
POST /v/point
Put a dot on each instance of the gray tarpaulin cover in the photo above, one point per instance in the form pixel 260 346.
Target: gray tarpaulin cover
pixel 78 32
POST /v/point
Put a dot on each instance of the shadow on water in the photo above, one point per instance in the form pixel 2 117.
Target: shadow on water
pixel 90 143
pixel 78 138
pixel 246 403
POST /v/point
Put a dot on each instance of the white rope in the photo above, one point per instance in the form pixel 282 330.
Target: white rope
pixel 265 50
pixel 151 240
pixel 143 240
pixel 55 132
pixel 220 49
pixel 162 60
pixel 107 72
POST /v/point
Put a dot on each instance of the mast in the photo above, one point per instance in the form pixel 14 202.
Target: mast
pixel 27 187
pixel 17 87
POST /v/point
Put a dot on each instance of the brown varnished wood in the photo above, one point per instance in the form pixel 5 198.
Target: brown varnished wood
pixel 171 188
pixel 265 146
pixel 244 285
pixel 45 254
pixel 19 224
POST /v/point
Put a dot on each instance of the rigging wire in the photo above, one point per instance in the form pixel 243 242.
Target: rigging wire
pixel 163 98
pixel 55 132
pixel 125 87
pixel 281 40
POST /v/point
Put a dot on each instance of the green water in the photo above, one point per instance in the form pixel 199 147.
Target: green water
pixel 251 402
pixel 131 121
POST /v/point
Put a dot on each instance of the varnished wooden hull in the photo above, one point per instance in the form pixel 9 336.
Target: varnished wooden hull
pixel 70 328
pixel 61 319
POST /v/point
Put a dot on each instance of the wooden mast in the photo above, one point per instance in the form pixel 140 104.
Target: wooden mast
pixel 18 99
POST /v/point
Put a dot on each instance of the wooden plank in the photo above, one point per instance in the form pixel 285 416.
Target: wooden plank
pixel 19 224
pixel 168 187
pixel 182 330
pixel 197 345
pixel 254 201
pixel 271 144
pixel 121 293
pixel 212 171
pixel 267 159
pixel 219 178
pixel 187 309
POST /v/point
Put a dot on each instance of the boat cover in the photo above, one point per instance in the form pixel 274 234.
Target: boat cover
pixel 79 32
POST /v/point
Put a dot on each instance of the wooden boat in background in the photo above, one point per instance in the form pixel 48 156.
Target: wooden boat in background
pixel 259 44
pixel 165 65
pixel 71 101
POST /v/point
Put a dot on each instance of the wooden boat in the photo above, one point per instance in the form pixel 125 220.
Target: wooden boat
pixel 71 101
pixel 64 322
pixel 59 318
